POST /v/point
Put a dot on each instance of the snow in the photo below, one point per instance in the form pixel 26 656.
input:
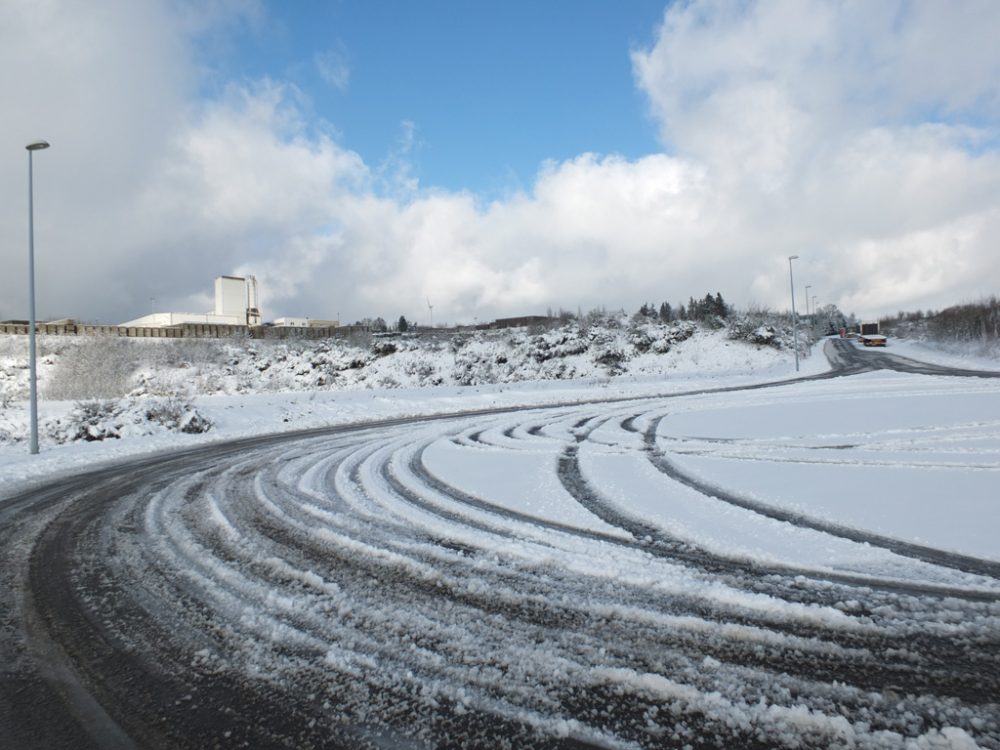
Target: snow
pixel 916 458
pixel 250 389
pixel 879 451
pixel 971 357
pixel 515 477
pixel 559 503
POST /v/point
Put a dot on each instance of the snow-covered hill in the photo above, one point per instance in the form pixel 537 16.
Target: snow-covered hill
pixel 76 368
pixel 145 386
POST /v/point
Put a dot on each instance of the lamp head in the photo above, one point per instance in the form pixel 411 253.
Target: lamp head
pixel 793 257
pixel 37 145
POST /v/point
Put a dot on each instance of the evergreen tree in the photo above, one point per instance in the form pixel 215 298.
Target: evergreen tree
pixel 402 326
pixel 721 308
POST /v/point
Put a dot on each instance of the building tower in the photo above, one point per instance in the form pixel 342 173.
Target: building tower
pixel 238 297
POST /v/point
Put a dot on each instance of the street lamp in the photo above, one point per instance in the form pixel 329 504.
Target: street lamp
pixel 808 287
pixel 33 387
pixel 795 328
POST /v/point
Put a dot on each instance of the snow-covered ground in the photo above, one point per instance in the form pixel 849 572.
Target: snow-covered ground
pixel 971 357
pixel 910 457
pixel 631 561
pixel 248 389
pixel 879 450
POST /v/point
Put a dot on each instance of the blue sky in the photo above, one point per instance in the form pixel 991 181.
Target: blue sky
pixel 492 89
pixel 500 158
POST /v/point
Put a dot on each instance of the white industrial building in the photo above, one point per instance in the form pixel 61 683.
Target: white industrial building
pixel 237 303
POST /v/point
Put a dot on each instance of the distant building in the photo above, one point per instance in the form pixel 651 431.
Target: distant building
pixel 166 319
pixel 237 296
pixel 305 323
pixel 236 304
pixel 524 320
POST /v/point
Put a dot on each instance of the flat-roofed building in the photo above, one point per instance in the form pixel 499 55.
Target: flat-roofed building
pixel 236 304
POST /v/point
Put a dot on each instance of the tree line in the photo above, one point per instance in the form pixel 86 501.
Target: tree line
pixel 972 321
pixel 704 309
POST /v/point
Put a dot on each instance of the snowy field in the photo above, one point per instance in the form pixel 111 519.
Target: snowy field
pixel 239 405
pixel 825 448
pixel 628 562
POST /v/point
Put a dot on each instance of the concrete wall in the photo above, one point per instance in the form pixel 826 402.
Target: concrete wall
pixel 186 330
pixel 88 329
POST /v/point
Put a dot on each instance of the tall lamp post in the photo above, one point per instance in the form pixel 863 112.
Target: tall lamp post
pixel 32 147
pixel 808 287
pixel 795 327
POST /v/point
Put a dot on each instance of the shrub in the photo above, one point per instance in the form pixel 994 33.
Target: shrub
pixel 93 368
pixel 611 359
pixel 758 326
pixel 176 413
pixel 107 419
pixel 970 322
pixel 93 420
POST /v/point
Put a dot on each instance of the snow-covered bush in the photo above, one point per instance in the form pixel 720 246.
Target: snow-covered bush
pixel 765 328
pixel 559 342
pixel 383 348
pixel 474 367
pixel 104 419
pixel 611 358
pixel 669 335
pixel 758 326
pixel 91 420
pixel 177 414
pixel 423 371
pixel 93 367
pixel 7 430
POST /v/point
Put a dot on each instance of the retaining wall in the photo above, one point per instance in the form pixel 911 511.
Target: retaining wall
pixel 185 331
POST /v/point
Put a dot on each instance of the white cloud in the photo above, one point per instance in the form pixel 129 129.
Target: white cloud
pixel 860 136
pixel 334 66
pixel 841 132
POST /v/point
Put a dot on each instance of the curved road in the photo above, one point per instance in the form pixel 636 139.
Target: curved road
pixel 335 588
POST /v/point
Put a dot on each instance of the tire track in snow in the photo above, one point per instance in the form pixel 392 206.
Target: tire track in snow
pixel 964 563
pixel 743 572
pixel 784 583
pixel 677 549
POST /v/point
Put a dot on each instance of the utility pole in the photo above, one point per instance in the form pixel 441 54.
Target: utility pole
pixel 795 327
pixel 32 354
